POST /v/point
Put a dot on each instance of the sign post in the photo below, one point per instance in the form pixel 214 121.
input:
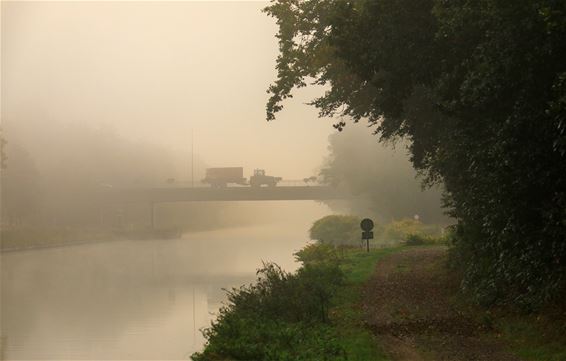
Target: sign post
pixel 367 234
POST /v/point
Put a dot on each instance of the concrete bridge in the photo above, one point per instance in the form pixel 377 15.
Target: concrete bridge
pixel 120 197
pixel 203 194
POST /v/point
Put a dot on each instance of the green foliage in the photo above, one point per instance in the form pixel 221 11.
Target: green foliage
pixel 337 230
pixel 417 240
pixel 289 297
pixel 278 318
pixel 281 316
pixel 254 338
pixel 479 89
pixel 423 239
pixel 359 265
pixel 358 342
pixel 316 253
pixel 401 230
pixel 536 338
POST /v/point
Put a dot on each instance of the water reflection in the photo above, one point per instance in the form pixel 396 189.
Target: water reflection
pixel 132 299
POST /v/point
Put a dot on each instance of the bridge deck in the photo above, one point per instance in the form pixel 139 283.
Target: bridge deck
pixel 172 194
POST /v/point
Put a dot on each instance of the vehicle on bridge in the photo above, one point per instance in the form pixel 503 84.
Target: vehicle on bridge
pixel 259 178
pixel 221 177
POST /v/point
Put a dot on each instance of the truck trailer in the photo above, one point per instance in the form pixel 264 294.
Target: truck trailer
pixel 221 177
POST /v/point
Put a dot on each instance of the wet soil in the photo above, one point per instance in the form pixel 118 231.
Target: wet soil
pixel 409 304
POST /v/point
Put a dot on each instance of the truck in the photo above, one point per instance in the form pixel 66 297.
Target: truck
pixel 221 177
pixel 260 178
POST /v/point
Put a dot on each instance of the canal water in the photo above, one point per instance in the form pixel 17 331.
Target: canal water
pixel 135 300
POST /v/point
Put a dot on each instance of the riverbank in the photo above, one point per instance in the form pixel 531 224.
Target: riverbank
pixel 389 304
pixel 312 314
pixel 24 239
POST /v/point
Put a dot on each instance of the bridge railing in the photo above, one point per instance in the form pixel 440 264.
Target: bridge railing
pixel 189 184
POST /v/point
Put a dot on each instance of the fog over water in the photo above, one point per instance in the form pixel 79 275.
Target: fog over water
pixel 137 299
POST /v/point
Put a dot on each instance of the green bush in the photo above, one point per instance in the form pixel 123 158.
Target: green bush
pixel 282 316
pixel 422 239
pixel 286 296
pixel 317 253
pixel 337 230
pixel 254 338
pixel 403 229
pixel 416 240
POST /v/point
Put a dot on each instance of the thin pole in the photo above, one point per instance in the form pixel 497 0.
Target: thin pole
pixel 194 317
pixel 152 214
pixel 192 158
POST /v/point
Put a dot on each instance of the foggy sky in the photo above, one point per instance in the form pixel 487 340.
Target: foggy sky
pixel 154 72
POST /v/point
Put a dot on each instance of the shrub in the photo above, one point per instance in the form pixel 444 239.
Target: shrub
pixel 254 338
pixel 317 253
pixel 318 283
pixel 337 230
pixel 416 240
pixel 421 239
pixel 401 230
pixel 282 316
pixel 288 297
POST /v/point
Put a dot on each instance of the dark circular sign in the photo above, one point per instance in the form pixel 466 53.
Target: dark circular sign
pixel 366 224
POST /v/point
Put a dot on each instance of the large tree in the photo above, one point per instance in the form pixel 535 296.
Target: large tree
pixel 479 90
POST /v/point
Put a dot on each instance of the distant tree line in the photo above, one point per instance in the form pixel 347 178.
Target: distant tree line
pixel 478 88
pixel 53 177
pixel 380 178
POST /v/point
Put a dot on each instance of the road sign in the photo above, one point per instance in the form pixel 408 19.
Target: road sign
pixel 367 234
pixel 366 224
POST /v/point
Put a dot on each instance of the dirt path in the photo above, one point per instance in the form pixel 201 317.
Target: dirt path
pixel 408 305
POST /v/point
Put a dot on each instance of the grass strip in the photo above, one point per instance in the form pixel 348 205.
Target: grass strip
pixel 358 342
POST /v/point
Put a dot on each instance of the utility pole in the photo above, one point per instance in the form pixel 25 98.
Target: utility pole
pixel 192 158
pixel 152 215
